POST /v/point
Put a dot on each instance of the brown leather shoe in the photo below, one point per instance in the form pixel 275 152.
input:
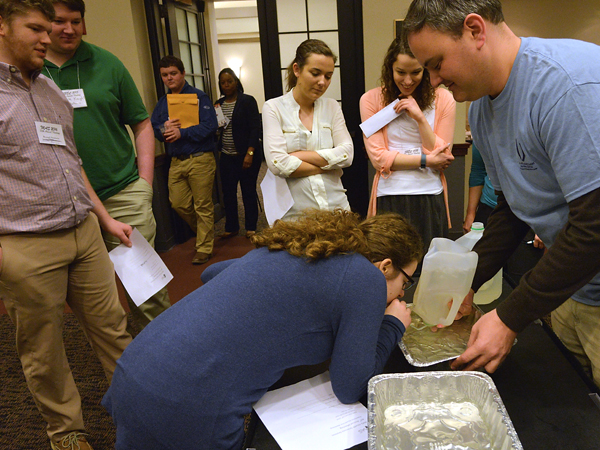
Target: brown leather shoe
pixel 72 441
pixel 250 233
pixel 201 258
pixel 228 234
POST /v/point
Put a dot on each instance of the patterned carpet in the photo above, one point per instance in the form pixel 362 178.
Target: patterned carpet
pixel 21 425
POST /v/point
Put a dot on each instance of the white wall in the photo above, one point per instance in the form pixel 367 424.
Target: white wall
pixel 251 75
pixel 554 18
pixel 239 43
pixel 119 26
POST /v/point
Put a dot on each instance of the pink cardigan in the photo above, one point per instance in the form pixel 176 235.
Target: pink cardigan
pixel 377 145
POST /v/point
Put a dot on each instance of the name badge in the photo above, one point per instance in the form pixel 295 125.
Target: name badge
pixel 50 133
pixel 76 97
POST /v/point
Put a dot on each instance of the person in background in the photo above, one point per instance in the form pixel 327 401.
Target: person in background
pixel 305 136
pixel 51 248
pixel 411 152
pixel 105 99
pixel 329 289
pixel 193 165
pixel 482 198
pixel 535 116
pixel 241 153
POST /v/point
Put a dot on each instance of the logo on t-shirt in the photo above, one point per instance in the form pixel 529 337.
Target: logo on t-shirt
pixel 523 164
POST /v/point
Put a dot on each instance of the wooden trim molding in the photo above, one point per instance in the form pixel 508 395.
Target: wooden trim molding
pixel 461 149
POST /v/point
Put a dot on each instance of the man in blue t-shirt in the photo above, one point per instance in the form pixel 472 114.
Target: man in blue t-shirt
pixel 536 119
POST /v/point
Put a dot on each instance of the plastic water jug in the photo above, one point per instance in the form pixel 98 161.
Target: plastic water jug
pixel 447 274
pixel 491 289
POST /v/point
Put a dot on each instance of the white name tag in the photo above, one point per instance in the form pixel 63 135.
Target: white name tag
pixel 76 97
pixel 50 133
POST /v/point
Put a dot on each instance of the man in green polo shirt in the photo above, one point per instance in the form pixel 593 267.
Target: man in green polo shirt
pixel 105 99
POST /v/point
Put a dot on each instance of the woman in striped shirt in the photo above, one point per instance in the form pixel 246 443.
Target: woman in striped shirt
pixel 241 152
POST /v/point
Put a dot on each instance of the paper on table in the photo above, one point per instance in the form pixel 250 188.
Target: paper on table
pixel 140 269
pixel 308 415
pixel 379 120
pixel 277 197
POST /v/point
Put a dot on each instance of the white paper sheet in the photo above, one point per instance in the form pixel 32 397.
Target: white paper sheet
pixel 377 121
pixel 222 119
pixel 277 197
pixel 139 268
pixel 308 415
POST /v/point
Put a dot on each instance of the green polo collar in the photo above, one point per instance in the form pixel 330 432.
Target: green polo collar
pixel 83 53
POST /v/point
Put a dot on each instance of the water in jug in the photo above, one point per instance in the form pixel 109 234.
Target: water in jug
pixel 446 277
pixel 491 289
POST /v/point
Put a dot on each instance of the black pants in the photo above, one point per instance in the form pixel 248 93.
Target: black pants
pixel 482 214
pixel 232 173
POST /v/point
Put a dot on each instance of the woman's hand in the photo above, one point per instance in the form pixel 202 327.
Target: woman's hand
pixel 247 161
pixel 409 104
pixel 399 310
pixel 469 218
pixel 439 159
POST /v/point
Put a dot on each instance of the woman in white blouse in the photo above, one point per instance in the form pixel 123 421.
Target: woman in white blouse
pixel 305 136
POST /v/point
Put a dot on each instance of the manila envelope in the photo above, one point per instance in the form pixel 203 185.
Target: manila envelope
pixel 185 108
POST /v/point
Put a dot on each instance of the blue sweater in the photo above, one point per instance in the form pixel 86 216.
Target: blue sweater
pixel 193 373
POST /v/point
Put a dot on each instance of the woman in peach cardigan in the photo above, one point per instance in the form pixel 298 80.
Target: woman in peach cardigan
pixel 411 152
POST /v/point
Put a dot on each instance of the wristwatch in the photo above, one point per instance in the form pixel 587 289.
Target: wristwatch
pixel 250 152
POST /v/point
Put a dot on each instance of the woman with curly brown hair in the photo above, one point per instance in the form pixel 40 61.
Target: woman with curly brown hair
pixel 410 153
pixel 323 287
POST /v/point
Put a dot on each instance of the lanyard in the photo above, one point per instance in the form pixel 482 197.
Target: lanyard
pixel 52 78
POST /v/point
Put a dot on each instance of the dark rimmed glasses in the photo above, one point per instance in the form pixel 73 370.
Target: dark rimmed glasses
pixel 410 282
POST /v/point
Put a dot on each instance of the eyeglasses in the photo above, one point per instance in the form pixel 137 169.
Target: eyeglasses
pixel 409 281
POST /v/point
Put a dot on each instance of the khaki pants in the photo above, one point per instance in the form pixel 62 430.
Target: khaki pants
pixel 39 273
pixel 133 206
pixel 190 193
pixel 578 327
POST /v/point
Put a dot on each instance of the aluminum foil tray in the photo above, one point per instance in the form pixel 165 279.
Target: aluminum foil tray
pixel 422 347
pixel 438 411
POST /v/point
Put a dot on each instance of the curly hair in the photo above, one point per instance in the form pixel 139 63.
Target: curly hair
pixel 424 93
pixel 322 234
